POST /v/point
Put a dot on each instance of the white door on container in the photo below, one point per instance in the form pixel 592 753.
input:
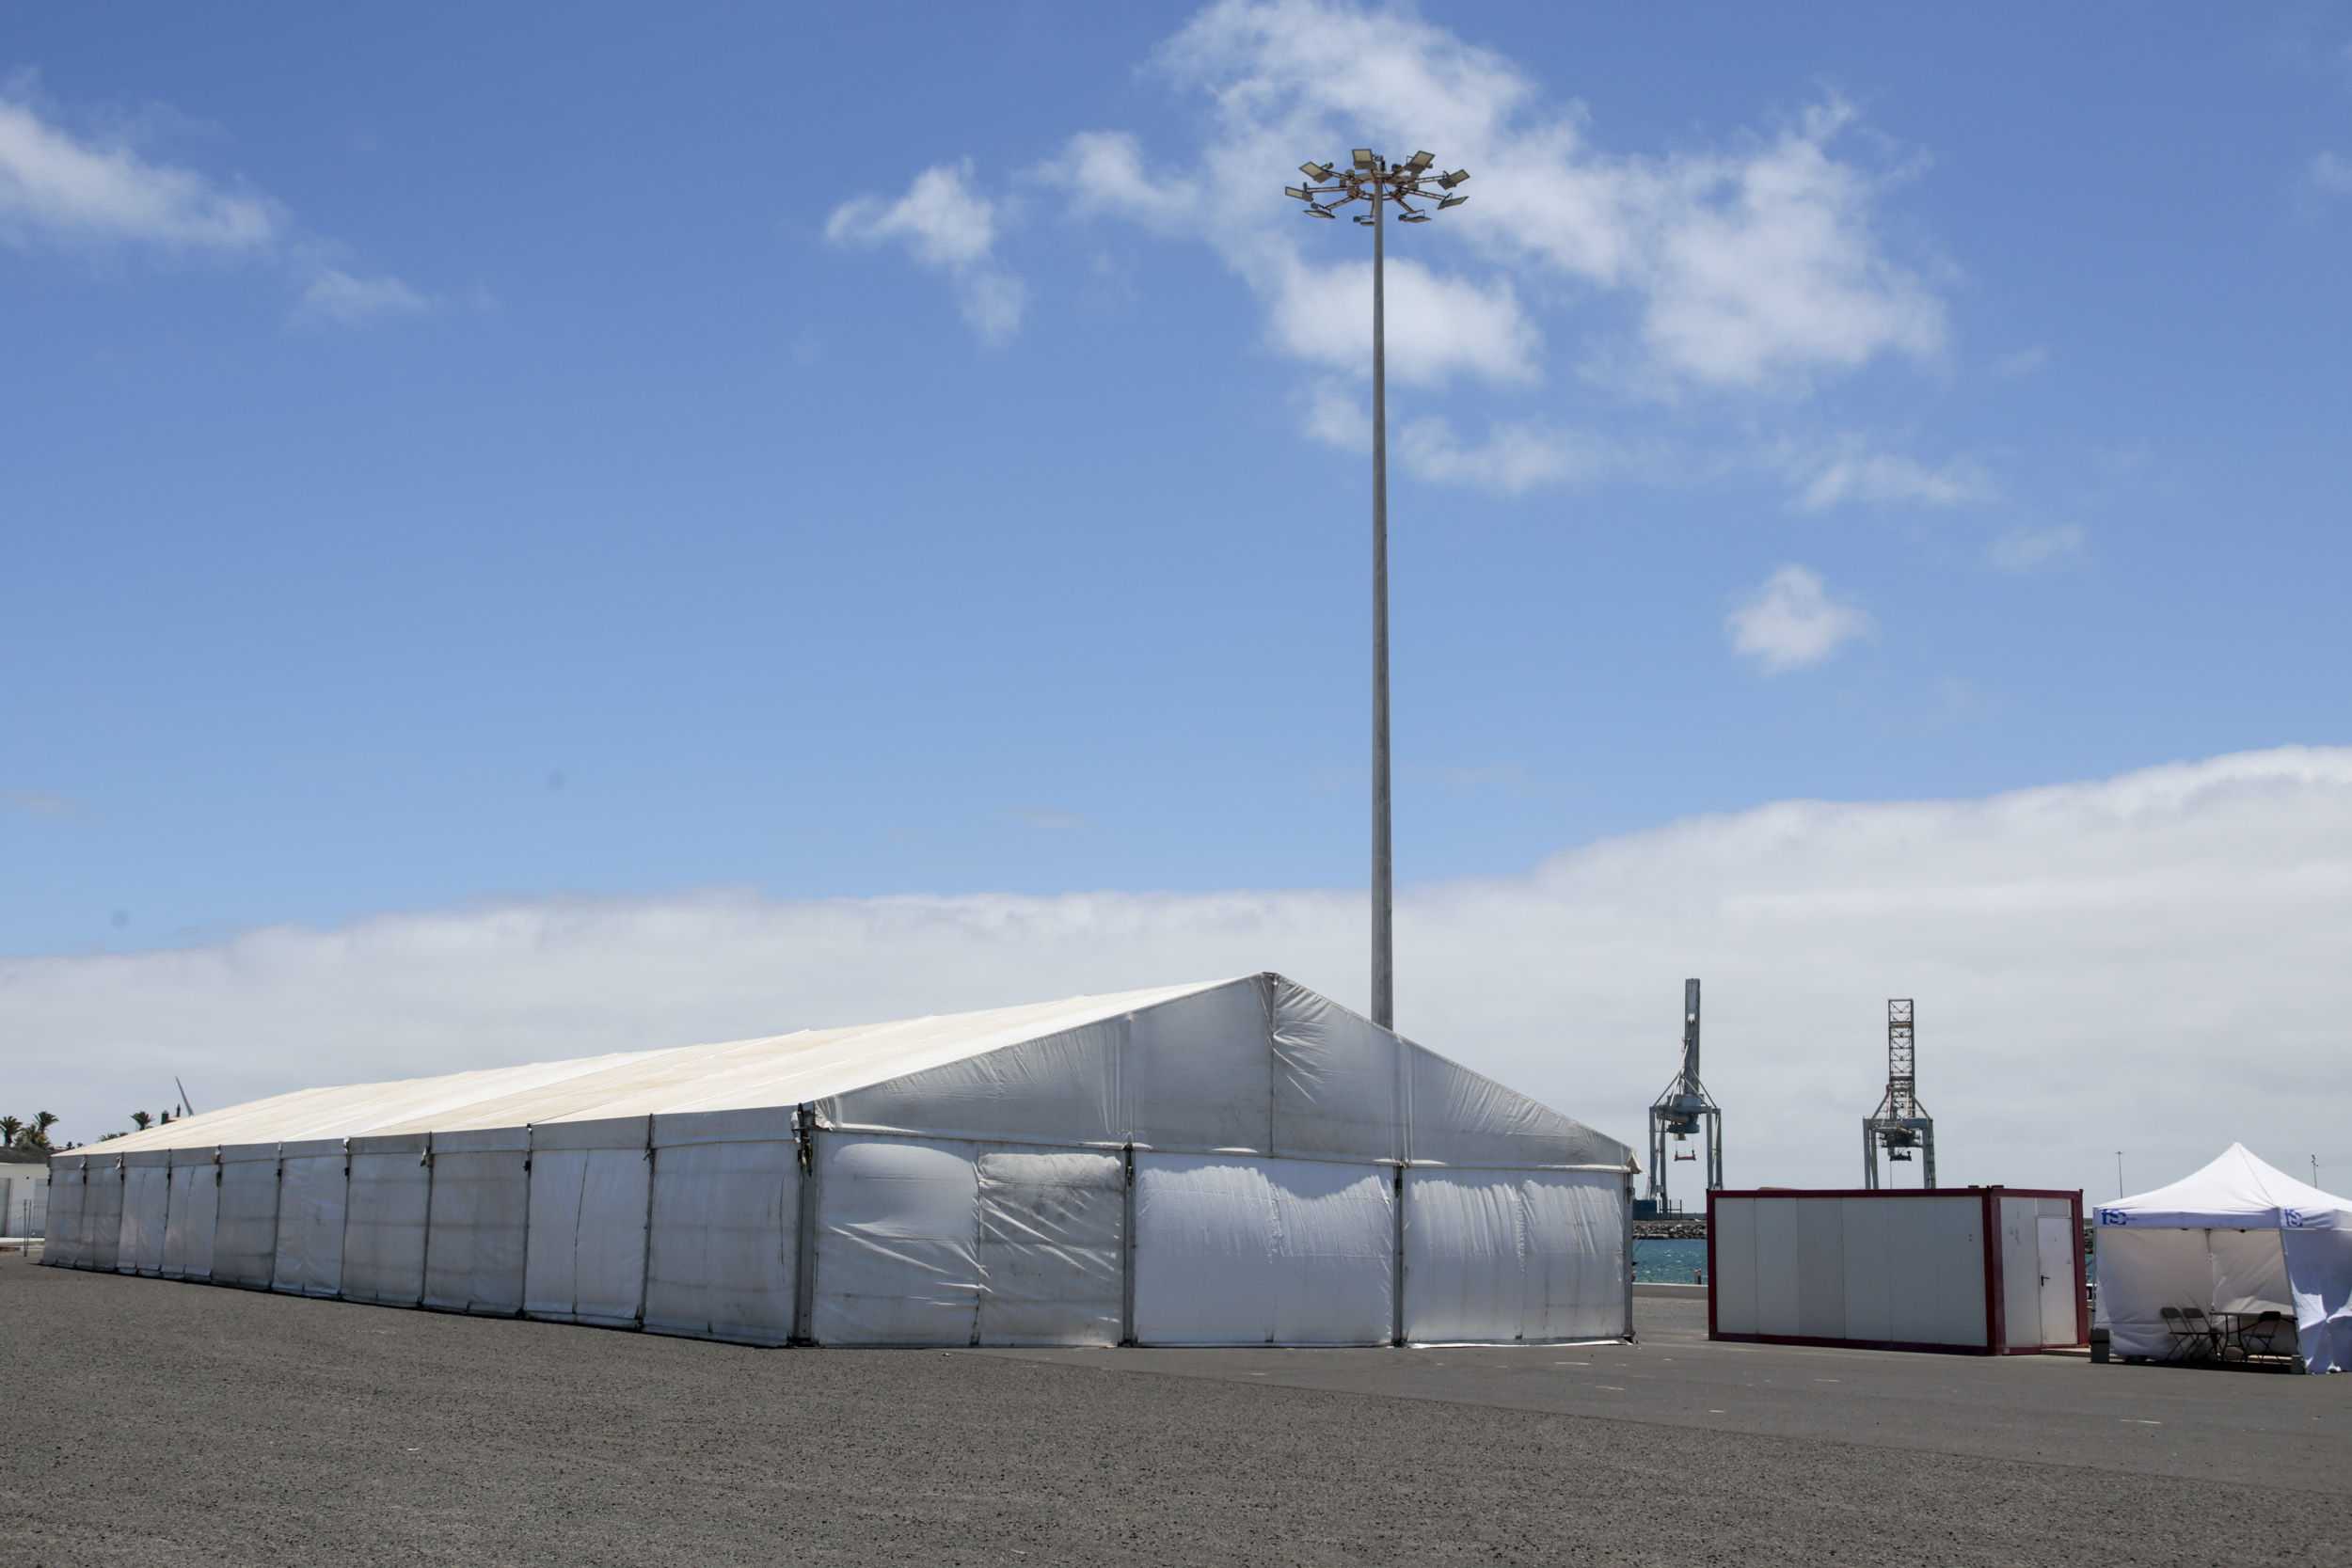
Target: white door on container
pixel 2056 1235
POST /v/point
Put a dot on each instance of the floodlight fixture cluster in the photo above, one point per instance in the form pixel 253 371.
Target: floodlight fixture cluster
pixel 1370 178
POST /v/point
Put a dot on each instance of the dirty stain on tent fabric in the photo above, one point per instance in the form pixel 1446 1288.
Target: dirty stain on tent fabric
pixel 1236 1162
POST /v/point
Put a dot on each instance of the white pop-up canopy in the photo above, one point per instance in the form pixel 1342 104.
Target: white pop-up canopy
pixel 2237 1236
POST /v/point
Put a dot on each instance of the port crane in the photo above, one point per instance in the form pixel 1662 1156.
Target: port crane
pixel 1686 1108
pixel 1900 1124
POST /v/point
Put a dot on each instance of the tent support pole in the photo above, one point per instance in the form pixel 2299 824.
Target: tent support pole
pixel 1127 1253
pixel 1396 1285
pixel 805 1232
pixel 1628 1254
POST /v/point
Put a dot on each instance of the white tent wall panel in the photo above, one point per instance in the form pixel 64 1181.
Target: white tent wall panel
pixel 1504 1255
pixel 1052 1248
pixel 936 1241
pixel 479 1206
pixel 2143 1272
pixel 192 1214
pixel 145 1205
pixel 721 1247
pixel 1061 1090
pixel 64 1240
pixel 1577 1280
pixel 101 1216
pixel 2250 1271
pixel 1196 1073
pixel 1237 1250
pixel 2217 1270
pixel 2319 1263
pixel 591 1194
pixel 244 1235
pixel 898 1241
pixel 1338 1081
pixel 384 1226
pixel 1334 1258
pixel 313 1185
pixel 1203 1250
pixel 1460 1117
pixel 1465 1257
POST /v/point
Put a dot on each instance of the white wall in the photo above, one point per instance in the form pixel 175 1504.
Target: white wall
pixel 1878 1270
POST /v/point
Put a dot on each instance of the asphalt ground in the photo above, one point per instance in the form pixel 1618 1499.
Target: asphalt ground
pixel 167 1423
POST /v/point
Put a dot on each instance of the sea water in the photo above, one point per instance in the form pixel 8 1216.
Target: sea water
pixel 1661 1262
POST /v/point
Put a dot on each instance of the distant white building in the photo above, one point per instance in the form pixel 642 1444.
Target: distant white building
pixel 1237 1162
pixel 23 1192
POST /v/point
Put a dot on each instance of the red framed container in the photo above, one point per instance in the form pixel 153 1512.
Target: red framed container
pixel 1971 1271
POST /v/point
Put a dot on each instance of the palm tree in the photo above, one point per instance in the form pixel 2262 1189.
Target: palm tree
pixel 42 1122
pixel 10 1128
pixel 141 1120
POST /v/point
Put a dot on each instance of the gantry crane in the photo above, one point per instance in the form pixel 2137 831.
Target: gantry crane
pixel 1900 1124
pixel 1685 1108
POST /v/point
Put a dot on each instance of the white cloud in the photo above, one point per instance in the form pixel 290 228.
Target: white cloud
pixel 2025 361
pixel 1883 479
pixel 1748 269
pixel 1515 457
pixel 40 802
pixel 56 189
pixel 63 192
pixel 1745 267
pixel 1436 327
pixel 336 297
pixel 2023 550
pixel 2172 947
pixel 2327 177
pixel 1791 622
pixel 950 228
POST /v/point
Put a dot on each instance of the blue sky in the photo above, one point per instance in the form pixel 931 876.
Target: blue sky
pixel 890 449
pixel 630 475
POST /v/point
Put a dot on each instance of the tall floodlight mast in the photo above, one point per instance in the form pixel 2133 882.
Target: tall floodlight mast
pixel 1685 1108
pixel 1900 1123
pixel 1373 180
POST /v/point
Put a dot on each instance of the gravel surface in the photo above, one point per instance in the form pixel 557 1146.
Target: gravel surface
pixel 167 1423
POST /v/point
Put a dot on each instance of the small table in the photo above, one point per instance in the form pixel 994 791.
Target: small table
pixel 2255 1335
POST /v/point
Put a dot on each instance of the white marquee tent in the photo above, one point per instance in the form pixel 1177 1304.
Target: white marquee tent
pixel 1239 1161
pixel 2237 1236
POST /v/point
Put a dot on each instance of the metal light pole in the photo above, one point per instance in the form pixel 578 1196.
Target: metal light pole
pixel 1372 180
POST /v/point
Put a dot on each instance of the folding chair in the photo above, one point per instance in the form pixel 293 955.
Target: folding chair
pixel 2270 1335
pixel 2192 1340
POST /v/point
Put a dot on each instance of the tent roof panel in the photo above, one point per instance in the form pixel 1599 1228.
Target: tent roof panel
pixel 2236 1191
pixel 1257 1062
